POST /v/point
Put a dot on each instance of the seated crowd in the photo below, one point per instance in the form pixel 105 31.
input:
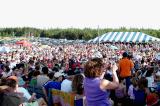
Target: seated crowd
pixel 124 82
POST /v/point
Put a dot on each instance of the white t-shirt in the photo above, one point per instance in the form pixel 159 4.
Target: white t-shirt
pixel 150 81
pixel 66 86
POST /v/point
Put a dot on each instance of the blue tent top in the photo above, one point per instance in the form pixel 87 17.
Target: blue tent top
pixel 124 37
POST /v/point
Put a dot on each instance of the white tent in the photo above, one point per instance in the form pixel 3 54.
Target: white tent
pixel 124 37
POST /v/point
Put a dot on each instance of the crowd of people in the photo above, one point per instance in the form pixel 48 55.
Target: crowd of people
pixel 101 75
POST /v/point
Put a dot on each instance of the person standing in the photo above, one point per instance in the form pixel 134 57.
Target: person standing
pixel 125 68
pixel 95 87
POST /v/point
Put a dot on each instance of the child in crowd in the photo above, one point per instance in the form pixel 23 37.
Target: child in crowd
pixel 150 78
pixel 77 85
pixel 120 93
pixel 78 89
pixel 130 90
pixel 33 81
pixel 140 92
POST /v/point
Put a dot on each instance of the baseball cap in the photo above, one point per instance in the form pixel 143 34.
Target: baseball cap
pixel 58 74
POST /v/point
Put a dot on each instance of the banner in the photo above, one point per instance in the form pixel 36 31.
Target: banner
pixel 62 98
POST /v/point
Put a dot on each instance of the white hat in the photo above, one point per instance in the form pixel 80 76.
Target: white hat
pixel 158 73
pixel 58 74
pixel 61 71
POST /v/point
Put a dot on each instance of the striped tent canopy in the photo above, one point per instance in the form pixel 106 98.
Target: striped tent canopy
pixel 124 37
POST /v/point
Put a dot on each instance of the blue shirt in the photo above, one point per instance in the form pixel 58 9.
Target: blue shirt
pixel 52 84
pixel 140 97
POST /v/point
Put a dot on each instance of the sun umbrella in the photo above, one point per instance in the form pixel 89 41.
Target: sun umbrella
pixel 24 43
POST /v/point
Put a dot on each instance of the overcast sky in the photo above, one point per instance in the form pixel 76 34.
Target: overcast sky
pixel 80 13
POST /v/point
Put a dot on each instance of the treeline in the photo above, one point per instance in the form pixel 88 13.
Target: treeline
pixel 70 33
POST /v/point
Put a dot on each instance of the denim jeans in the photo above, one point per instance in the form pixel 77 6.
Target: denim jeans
pixel 128 83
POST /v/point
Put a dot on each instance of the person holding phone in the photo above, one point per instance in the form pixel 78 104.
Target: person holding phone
pixel 95 86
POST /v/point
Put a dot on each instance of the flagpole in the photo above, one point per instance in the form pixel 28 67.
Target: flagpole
pixel 98 37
